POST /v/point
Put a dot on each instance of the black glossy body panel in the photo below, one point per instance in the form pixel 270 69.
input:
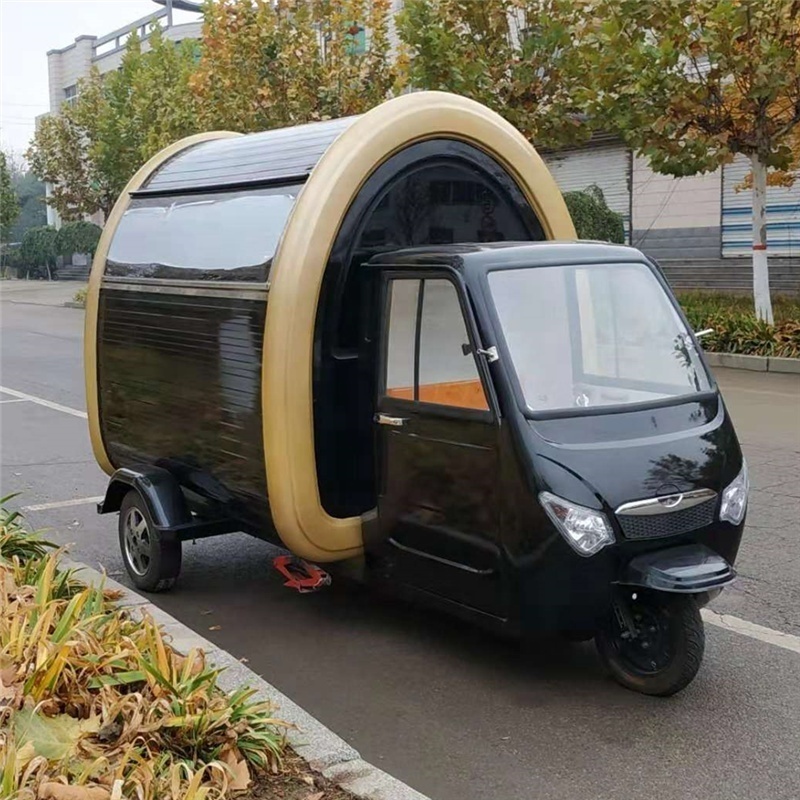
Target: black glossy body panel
pixel 439 504
pixel 689 569
pixel 259 158
pixel 180 387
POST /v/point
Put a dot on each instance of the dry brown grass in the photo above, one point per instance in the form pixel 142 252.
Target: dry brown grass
pixel 96 705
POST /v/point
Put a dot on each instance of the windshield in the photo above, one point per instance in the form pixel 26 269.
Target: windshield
pixel 589 336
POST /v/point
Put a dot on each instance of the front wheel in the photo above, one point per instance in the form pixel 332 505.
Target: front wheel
pixel 152 563
pixel 664 654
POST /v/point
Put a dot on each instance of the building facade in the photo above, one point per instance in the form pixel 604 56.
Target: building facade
pixel 699 228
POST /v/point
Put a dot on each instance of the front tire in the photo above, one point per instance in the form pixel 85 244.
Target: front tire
pixel 152 563
pixel 667 652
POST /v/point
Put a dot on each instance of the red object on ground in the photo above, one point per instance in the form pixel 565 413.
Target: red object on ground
pixel 301 576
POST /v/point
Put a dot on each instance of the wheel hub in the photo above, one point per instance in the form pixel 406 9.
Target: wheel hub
pixel 138 542
pixel 649 650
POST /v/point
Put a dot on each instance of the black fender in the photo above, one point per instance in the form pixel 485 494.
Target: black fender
pixel 159 490
pixel 689 569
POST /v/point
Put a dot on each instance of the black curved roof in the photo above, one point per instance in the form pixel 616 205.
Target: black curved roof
pixel 284 155
pixel 510 254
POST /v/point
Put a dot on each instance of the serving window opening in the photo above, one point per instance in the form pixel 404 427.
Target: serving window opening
pixel 435 192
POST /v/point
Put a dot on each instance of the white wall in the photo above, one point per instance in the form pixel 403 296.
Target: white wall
pixel 661 201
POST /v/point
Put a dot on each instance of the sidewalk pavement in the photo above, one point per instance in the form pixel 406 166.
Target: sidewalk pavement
pixel 39 293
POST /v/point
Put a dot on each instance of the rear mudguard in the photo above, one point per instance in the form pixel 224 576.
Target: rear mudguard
pixel 689 569
pixel 159 490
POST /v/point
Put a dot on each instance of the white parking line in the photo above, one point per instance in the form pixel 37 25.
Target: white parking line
pixel 80 501
pixel 785 640
pixel 46 403
pixel 18 400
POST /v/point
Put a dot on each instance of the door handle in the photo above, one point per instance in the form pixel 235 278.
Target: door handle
pixel 385 419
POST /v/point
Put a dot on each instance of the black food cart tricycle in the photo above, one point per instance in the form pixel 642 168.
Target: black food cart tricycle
pixel 291 334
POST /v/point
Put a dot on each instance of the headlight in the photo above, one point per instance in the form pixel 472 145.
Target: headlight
pixel 734 498
pixel 585 530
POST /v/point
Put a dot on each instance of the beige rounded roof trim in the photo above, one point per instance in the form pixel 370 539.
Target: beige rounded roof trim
pixel 96 278
pixel 296 277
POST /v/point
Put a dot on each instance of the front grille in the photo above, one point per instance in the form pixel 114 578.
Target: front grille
pixel 671 523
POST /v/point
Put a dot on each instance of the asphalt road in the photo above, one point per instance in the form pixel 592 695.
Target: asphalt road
pixel 454 712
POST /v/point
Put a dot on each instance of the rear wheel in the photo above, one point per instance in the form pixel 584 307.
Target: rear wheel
pixel 666 651
pixel 152 563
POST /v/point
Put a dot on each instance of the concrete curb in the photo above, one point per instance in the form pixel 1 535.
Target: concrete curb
pixel 754 363
pixel 322 749
pixel 73 304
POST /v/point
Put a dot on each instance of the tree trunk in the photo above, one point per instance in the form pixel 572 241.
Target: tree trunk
pixel 760 265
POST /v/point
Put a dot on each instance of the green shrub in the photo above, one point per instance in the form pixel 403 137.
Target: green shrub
pixel 15 540
pixel 80 296
pixel 38 250
pixel 592 217
pixel 77 237
pixel 736 329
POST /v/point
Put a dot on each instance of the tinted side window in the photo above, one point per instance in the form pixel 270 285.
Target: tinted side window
pixel 229 236
pixel 425 359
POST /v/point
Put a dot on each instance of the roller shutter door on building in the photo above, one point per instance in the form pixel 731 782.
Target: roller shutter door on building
pixel 607 165
pixel 783 214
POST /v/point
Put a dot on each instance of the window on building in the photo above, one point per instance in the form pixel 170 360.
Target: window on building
pixel 356 39
pixel 71 93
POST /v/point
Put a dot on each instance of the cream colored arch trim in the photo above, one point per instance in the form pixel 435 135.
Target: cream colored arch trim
pixel 296 276
pixel 96 278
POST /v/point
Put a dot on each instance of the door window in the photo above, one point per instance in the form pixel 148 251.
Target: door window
pixel 403 305
pixel 429 358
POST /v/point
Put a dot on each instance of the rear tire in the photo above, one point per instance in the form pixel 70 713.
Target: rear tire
pixel 666 655
pixel 152 563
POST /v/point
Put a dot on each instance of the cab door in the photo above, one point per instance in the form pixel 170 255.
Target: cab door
pixel 437 446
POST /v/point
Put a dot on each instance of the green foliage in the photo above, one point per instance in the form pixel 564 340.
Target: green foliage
pixel 80 296
pixel 9 202
pixel 16 542
pixel 78 237
pixel 266 64
pixel 91 149
pixel 699 305
pixel 736 329
pixel 38 249
pixel 689 83
pixel 593 218
pixel 33 212
pixel 59 155
pixel 502 54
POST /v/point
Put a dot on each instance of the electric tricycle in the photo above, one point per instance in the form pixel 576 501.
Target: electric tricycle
pixel 375 343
